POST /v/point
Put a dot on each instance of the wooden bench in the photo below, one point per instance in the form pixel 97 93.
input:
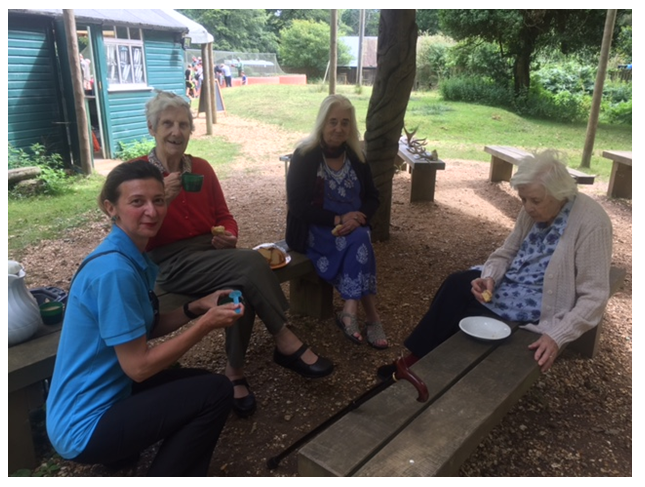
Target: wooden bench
pixel 620 183
pixel 423 173
pixel 30 363
pixel 471 388
pixel 503 159
pixel 308 294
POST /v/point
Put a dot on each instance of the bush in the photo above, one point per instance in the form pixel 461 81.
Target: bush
pixel 567 76
pixel 432 60
pixel 620 113
pixel 563 106
pixel 131 150
pixel 475 90
pixel 53 178
pixel 482 60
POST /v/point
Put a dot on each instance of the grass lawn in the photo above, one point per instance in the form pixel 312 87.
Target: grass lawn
pixel 456 130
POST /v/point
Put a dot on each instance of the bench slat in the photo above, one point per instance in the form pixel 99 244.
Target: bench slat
pixel 343 447
pixel 438 441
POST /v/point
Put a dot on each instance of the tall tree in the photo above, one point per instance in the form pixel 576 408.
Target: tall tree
pixel 395 71
pixel 236 29
pixel 428 21
pixel 520 34
pixel 351 19
pixel 279 19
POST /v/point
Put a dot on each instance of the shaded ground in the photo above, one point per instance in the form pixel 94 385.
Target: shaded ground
pixel 576 421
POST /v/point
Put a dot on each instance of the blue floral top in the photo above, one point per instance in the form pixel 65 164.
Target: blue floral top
pixel 519 296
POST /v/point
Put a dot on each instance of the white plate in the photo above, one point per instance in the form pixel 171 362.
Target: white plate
pixel 287 256
pixel 485 328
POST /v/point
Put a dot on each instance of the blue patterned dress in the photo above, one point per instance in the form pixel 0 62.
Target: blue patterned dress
pixel 346 262
pixel 519 296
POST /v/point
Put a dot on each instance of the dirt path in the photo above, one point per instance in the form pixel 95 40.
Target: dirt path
pixel 576 421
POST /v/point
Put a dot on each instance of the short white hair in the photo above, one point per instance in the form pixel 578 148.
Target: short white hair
pixel 165 99
pixel 546 169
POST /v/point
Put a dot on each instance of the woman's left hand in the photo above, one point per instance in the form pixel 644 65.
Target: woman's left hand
pixel 225 240
pixel 546 351
pixel 351 221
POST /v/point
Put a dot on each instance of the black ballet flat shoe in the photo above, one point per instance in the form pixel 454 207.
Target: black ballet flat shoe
pixel 244 406
pixel 320 368
pixel 385 372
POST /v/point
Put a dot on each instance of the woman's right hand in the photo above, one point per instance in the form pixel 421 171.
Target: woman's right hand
pixel 480 285
pixel 172 185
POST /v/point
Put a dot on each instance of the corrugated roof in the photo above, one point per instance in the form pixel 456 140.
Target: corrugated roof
pixel 142 18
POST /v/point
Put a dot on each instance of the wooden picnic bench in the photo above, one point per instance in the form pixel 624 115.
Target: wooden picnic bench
pixel 503 158
pixel 620 183
pixel 423 173
pixel 471 387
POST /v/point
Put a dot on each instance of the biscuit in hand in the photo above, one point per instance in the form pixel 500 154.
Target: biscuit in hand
pixel 487 296
pixel 336 229
pixel 218 230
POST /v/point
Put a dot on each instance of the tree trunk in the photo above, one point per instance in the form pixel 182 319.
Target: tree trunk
pixel 395 72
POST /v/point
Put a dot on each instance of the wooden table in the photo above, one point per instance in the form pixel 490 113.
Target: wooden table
pixel 620 183
pixel 422 172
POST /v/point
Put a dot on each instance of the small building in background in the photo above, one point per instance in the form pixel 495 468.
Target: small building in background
pixel 348 74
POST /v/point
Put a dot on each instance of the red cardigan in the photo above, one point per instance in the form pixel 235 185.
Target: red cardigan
pixel 193 214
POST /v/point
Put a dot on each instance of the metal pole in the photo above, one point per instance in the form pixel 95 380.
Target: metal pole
pixel 597 91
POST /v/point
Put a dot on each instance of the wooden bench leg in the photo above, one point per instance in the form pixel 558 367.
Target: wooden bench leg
pixel 423 182
pixel 588 343
pixel 620 183
pixel 22 453
pixel 311 297
pixel 500 170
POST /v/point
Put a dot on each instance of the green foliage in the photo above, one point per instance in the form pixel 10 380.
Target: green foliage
pixel 244 30
pixel 563 106
pixel 428 21
pixel 432 60
pixel 279 19
pixel 623 45
pixel 482 59
pixel 52 168
pixel 131 150
pixel 568 76
pixel 305 45
pixel 475 89
pixel 350 18
pixel 620 113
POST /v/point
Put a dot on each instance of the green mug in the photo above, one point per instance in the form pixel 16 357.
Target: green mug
pixel 192 182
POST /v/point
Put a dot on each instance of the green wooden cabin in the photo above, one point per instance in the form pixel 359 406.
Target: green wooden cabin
pixel 131 53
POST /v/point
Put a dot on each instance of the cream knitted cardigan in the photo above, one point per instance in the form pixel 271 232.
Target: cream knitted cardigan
pixel 576 281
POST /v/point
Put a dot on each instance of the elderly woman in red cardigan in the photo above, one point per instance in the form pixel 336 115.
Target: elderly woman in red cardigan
pixel 193 261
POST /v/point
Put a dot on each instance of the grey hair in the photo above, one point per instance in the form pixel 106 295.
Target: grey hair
pixel 165 99
pixel 315 138
pixel 546 169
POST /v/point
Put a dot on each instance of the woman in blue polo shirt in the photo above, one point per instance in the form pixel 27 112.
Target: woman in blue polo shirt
pixel 112 395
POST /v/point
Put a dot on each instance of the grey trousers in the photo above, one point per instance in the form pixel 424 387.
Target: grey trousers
pixel 193 266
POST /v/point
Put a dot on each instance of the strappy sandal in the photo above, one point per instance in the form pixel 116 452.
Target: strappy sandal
pixel 351 329
pixel 376 334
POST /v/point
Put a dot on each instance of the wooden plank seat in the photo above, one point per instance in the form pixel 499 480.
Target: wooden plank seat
pixel 620 182
pixel 503 158
pixel 423 173
pixel 308 294
pixel 471 388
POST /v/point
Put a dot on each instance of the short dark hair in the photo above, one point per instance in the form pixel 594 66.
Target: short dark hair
pixel 126 171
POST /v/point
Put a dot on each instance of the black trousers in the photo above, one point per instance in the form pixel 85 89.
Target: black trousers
pixel 186 408
pixel 452 302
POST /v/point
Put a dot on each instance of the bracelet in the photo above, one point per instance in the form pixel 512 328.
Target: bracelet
pixel 189 313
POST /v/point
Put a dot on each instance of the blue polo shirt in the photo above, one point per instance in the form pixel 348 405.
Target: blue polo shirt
pixel 108 305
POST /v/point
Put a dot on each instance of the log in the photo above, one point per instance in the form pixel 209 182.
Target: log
pixel 22 173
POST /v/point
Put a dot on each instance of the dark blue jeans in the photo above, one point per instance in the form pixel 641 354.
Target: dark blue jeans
pixel 452 302
pixel 186 408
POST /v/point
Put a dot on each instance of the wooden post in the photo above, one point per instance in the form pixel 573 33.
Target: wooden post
pixel 597 91
pixel 79 94
pixel 212 82
pixel 361 36
pixel 333 52
pixel 207 74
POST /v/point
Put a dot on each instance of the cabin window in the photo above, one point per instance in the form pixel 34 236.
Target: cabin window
pixel 125 58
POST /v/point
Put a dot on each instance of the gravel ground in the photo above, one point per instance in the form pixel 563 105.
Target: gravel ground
pixel 577 419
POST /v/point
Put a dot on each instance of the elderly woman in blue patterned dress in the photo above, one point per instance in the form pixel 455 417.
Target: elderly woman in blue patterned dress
pixel 551 274
pixel 331 198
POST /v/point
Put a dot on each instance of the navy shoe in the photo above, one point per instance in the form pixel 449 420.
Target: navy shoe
pixel 320 368
pixel 244 406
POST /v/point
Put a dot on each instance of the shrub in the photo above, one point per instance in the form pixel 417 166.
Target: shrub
pixel 563 106
pixel 566 76
pixel 53 178
pixel 131 150
pixel 619 113
pixel 432 60
pixel 475 90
